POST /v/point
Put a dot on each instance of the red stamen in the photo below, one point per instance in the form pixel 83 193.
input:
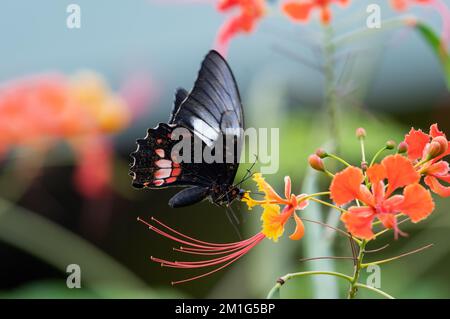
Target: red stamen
pixel 230 251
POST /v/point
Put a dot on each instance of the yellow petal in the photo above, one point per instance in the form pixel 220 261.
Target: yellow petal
pixel 299 229
pixel 265 187
pixel 273 226
pixel 249 201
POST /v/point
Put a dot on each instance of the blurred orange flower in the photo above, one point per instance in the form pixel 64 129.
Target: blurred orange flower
pixel 379 201
pixel 39 111
pixel 250 11
pixel 402 5
pixel 300 10
pixel 428 151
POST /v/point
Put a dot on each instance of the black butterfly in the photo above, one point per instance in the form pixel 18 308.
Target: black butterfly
pixel 211 113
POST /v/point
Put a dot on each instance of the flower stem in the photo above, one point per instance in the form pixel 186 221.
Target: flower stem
pixel 377 154
pixel 339 159
pixel 328 204
pixel 378 291
pixel 357 271
pixel 281 281
pixel 379 262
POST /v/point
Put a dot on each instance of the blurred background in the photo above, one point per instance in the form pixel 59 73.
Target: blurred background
pixel 73 102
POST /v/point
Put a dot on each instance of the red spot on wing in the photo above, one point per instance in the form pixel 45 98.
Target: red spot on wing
pixel 176 171
pixel 171 180
pixel 160 152
pixel 158 182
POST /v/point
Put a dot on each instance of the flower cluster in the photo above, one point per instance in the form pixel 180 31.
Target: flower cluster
pixel 250 12
pixel 40 111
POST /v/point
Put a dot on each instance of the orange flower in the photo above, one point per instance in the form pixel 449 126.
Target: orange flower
pixel 429 151
pixel 402 5
pixel 274 220
pixel 300 10
pixel 379 201
pixel 250 12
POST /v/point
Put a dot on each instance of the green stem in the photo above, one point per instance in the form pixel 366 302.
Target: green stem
pixel 357 271
pixel 275 289
pixel 363 151
pixel 379 262
pixel 376 155
pixel 328 204
pixel 339 159
pixel 378 291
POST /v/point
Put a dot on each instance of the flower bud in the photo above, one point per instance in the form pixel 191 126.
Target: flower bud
pixel 316 162
pixel 364 166
pixel 321 153
pixel 442 142
pixel 390 145
pixel 433 150
pixel 402 148
pixel 360 133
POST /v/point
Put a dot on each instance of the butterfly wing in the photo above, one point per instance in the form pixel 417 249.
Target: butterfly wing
pixel 209 112
pixel 213 111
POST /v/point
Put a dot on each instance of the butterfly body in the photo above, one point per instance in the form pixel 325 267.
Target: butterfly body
pixel 210 118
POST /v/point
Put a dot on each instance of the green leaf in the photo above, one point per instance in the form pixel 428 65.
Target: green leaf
pixel 438 47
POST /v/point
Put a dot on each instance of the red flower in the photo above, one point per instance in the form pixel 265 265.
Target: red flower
pixel 416 201
pixel 301 10
pixel 428 151
pixel 244 22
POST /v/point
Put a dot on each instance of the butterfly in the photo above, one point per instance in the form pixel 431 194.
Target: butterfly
pixel 208 116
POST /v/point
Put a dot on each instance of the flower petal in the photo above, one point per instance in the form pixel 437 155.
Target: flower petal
pixel 345 185
pixel 298 11
pixel 249 201
pixel 416 140
pixel 325 15
pixel 434 184
pixel 400 172
pixel 273 221
pixel 301 204
pixel 392 204
pixel 418 203
pixel 358 221
pixel 299 229
pixel 435 132
pixel 265 187
pixel 388 220
pixel 440 168
pixel 376 173
pixel 399 5
pixel 287 186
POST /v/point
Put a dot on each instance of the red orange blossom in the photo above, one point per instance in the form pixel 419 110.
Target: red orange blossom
pixel 427 152
pixel 250 12
pixel 300 10
pixel 378 198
